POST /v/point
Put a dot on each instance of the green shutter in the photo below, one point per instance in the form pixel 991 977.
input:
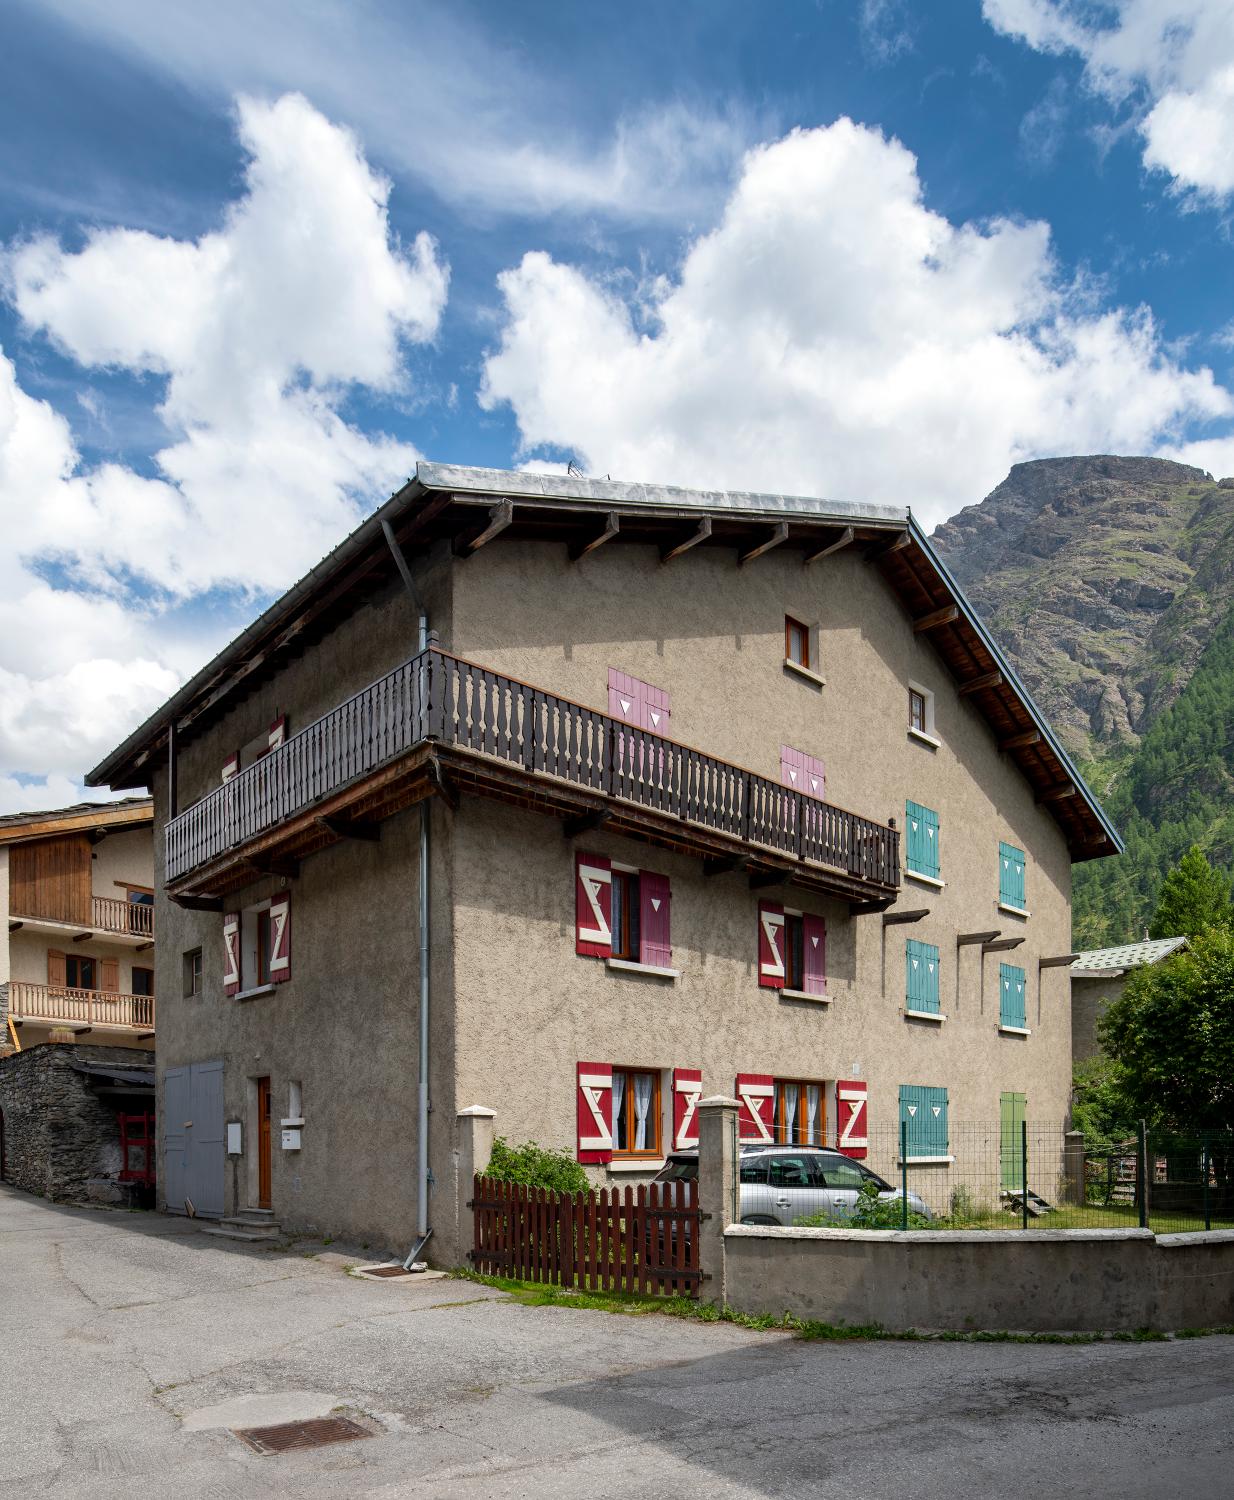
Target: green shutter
pixel 1011 889
pixel 1011 1108
pixel 924 1111
pixel 1011 996
pixel 921 974
pixel 921 824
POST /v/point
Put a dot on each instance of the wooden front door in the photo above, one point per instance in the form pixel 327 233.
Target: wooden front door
pixel 263 1143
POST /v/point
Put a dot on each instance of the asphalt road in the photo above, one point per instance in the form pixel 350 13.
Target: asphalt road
pixel 130 1345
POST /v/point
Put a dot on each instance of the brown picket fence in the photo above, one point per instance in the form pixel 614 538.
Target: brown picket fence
pixel 642 1240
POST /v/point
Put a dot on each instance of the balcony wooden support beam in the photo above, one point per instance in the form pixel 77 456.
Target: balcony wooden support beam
pixel 700 534
pixel 979 684
pixel 843 540
pixel 580 549
pixel 143 947
pixel 778 534
pixel 1002 945
pixel 761 879
pixel 1058 961
pixel 584 823
pixel 965 938
pixel 500 516
pixel 1021 741
pixel 81 1030
pixel 867 908
pixel 725 866
pixel 346 828
pixel 82 937
pixel 196 903
pixel 948 615
pixel 274 864
pixel 900 918
pixel 13 926
pixel 145 1036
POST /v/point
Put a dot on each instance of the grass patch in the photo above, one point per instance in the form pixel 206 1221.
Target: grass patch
pixel 537 1294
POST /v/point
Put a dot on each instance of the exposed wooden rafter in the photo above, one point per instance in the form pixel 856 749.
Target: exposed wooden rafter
pixel 901 918
pixel 945 616
pixel 1021 741
pixel 1001 945
pixel 898 544
pixel 500 516
pixel 843 540
pixel 612 526
pixel 778 534
pixel 700 534
pixel 1058 961
pixel 964 938
pixel 1057 793
pixel 979 684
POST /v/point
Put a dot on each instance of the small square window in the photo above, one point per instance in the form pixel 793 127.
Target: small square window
pixel 797 643
pixel 192 973
pixel 920 710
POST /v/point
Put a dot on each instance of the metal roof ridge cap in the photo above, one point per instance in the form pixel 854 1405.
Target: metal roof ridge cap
pixel 992 646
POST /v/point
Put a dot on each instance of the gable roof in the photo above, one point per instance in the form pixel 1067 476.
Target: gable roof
pixel 26 827
pixel 1129 956
pixel 472 507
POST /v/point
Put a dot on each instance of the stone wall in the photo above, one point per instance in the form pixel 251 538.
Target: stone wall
pixel 58 1133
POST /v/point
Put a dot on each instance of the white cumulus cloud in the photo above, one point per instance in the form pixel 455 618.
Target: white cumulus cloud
pixel 835 336
pixel 1170 61
pixel 254 334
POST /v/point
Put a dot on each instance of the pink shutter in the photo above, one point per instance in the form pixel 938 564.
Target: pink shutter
pixel 756 1095
pixel 771 945
pixel 654 924
pixel 687 1091
pixel 231 953
pixel 280 938
pixel 814 947
pixel 593 905
pixel 230 766
pixel 657 709
pixel 595 1112
pixel 625 697
pixel 851 1132
pixel 278 733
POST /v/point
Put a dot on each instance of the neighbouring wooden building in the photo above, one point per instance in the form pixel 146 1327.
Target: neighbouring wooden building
pixel 577 800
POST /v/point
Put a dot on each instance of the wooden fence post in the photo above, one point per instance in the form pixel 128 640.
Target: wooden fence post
pixel 475 1149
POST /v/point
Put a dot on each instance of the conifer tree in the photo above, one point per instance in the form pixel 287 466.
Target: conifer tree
pixel 1194 897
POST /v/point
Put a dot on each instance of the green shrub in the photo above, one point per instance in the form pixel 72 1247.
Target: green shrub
pixel 535 1166
pixel 869 1212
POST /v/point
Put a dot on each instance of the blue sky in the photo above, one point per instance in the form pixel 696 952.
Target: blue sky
pixel 254 261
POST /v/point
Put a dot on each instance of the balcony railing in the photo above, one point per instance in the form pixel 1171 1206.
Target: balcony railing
pixel 54 1003
pixel 439 698
pixel 106 914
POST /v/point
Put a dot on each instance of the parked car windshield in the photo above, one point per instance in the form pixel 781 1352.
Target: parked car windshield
pixel 679 1169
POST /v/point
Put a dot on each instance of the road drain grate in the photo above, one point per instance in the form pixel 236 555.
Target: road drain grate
pixel 288 1436
pixel 386 1271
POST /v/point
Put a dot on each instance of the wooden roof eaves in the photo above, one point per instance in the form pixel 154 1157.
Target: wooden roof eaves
pixel 40 826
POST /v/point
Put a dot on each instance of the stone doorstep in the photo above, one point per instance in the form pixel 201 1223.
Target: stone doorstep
pixel 253 1226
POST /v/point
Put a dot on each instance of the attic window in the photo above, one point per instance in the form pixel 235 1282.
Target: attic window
pixel 797 643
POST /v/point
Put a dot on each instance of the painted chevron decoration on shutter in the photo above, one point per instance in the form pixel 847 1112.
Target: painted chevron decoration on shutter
pixel 280 938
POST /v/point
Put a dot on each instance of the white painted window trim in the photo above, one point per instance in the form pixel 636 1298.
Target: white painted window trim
pixel 929 734
pixel 1015 1030
pixel 637 1164
pixel 628 965
pixel 924 1015
pixel 1016 911
pixel 823 999
pixel 926 739
pixel 930 880
pixel 924 1161
pixel 795 666
pixel 260 989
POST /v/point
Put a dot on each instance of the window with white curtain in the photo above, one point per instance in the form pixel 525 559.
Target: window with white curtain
pixel 800 1112
pixel 637 1127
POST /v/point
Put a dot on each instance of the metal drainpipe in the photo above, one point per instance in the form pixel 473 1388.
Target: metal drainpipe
pixel 423 1231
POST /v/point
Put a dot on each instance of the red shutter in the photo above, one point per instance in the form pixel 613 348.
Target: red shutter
pixel 654 923
pixel 851 1133
pixel 756 1095
pixel 595 1112
pixel 231 765
pixel 770 945
pixel 814 947
pixel 278 733
pixel 593 905
pixel 687 1091
pixel 280 937
pixel 231 953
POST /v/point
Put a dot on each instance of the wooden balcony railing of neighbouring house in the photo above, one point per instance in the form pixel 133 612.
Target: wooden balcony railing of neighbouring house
pixel 451 724
pixel 73 1007
pixel 105 914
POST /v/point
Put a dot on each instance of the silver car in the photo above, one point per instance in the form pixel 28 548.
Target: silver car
pixel 783 1184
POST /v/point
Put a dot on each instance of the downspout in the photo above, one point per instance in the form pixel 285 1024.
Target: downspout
pixel 423 1231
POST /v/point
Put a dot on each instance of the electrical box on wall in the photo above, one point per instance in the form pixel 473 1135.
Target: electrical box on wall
pixel 291 1140
pixel 235 1138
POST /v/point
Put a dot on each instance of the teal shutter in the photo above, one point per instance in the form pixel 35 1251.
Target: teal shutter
pixel 923 1111
pixel 1011 889
pixel 1011 1007
pixel 922 827
pixel 921 973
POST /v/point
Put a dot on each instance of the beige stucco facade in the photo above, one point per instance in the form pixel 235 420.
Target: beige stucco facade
pixel 514 1008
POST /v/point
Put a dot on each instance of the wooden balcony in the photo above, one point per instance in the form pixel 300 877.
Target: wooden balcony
pixel 105 916
pixel 438 724
pixel 51 1004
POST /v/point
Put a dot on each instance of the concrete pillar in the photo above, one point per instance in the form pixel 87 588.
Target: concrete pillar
pixel 475 1150
pixel 1074 1187
pixel 717 1189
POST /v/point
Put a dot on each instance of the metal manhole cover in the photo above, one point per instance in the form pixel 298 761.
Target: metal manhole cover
pixel 288 1436
pixel 386 1271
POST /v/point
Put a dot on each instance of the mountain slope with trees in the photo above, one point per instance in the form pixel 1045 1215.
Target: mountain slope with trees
pixel 1110 584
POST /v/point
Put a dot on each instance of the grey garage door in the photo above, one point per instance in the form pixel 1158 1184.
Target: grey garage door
pixel 193 1137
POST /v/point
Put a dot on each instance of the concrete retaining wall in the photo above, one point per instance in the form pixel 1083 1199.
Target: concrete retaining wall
pixel 1036 1280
